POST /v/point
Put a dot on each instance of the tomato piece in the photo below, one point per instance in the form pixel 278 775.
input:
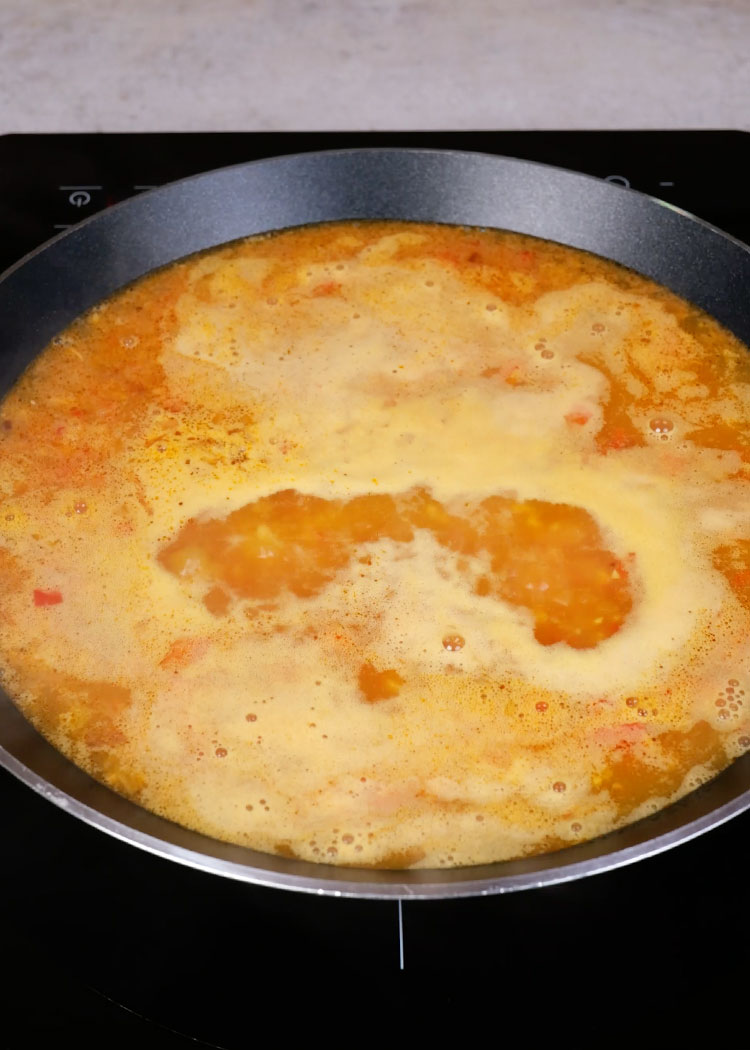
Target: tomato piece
pixel 616 438
pixel 47 597
pixel 620 736
pixel 379 685
pixel 328 288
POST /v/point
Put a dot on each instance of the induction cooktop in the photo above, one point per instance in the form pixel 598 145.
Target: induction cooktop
pixel 109 946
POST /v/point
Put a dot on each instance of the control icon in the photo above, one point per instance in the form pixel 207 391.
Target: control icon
pixel 80 198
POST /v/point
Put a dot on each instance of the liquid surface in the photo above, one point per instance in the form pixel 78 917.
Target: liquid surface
pixel 384 545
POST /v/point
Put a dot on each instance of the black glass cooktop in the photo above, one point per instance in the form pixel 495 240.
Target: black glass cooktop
pixel 108 946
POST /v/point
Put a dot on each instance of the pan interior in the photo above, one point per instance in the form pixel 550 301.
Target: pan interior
pixel 325 291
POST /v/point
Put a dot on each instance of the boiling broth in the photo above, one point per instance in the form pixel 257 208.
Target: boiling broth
pixel 384 544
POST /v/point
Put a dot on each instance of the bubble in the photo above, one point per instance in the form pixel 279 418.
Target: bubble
pixel 559 786
pixel 660 425
pixel 429 284
pixel 576 826
pixel 598 327
pixel 272 300
pixel 724 713
pixel 251 718
pixel 490 307
pixel 452 642
pixel 744 741
pixel 548 354
pixel 632 701
pixel 129 341
pixel 542 706
pixel 539 346
pixel 733 682
pixel 721 702
pixel 80 507
pixel 221 752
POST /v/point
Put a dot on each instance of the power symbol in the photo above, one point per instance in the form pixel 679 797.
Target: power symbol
pixel 79 198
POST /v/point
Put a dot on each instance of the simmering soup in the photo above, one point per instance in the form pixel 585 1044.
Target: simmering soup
pixel 385 545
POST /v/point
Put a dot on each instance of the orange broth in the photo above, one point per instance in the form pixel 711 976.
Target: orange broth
pixel 384 544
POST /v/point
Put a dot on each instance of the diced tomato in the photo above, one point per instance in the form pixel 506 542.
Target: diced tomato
pixel 616 439
pixel 183 652
pixel 620 736
pixel 47 597
pixel 329 288
pixel 379 685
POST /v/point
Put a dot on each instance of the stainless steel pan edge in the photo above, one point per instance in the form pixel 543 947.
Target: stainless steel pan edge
pixel 49 288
